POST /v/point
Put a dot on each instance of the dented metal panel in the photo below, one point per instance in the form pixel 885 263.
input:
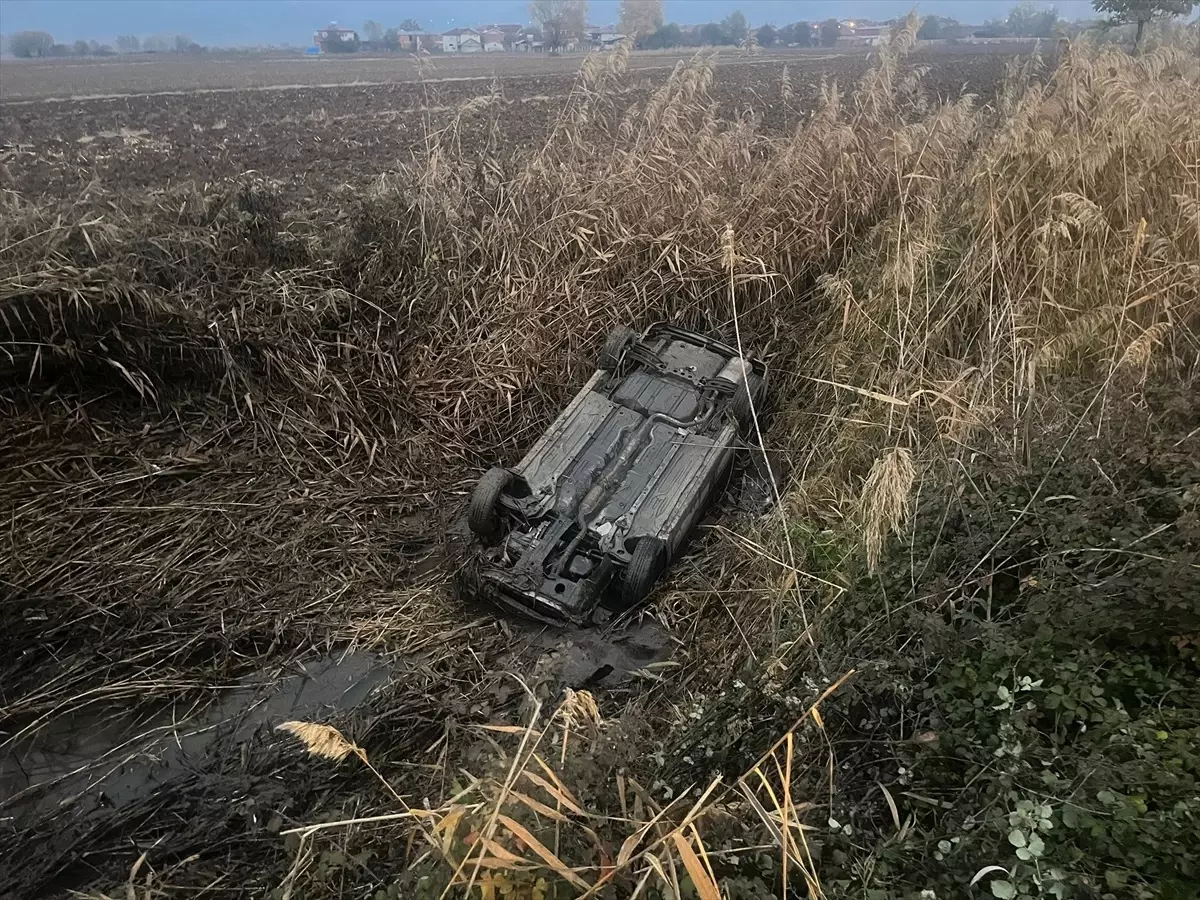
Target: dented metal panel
pixel 693 467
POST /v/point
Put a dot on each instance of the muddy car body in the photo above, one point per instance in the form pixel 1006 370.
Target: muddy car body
pixel 604 501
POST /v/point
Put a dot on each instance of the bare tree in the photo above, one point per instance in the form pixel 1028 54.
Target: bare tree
pixel 410 25
pixel 561 21
pixel 129 43
pixel 1026 20
pixel 641 17
pixel 735 26
pixel 373 31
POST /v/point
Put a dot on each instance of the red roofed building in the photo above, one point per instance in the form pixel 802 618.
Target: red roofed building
pixel 336 39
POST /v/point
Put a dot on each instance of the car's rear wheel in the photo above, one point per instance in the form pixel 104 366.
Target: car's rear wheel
pixel 483 516
pixel 615 344
pixel 741 404
pixel 647 563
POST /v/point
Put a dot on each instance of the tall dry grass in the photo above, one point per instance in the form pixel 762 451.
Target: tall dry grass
pixel 1067 244
pixel 171 357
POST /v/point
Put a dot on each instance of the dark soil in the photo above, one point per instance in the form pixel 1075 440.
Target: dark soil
pixel 350 134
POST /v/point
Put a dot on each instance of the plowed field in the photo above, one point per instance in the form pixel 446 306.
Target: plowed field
pixel 148 125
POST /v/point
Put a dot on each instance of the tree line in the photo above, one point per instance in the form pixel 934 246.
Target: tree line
pixel 644 22
pixel 1025 20
pixel 733 31
pixel 39 44
pixel 387 38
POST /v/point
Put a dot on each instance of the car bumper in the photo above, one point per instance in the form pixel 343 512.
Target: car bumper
pixel 494 587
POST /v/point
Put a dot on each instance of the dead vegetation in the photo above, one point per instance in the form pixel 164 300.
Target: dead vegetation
pixel 228 419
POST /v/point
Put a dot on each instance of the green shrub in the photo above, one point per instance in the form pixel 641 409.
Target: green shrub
pixel 1045 674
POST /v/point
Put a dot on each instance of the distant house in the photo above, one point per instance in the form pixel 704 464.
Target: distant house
pixel 862 32
pixel 510 33
pixel 461 40
pixel 336 39
pixel 604 37
pixel 417 40
pixel 493 41
pixel 529 44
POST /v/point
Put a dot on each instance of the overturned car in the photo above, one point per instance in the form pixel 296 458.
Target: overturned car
pixel 584 525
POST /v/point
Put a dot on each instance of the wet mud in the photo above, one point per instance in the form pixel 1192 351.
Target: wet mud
pixel 94 760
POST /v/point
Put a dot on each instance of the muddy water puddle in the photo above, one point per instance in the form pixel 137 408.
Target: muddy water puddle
pixel 105 760
pixel 94 760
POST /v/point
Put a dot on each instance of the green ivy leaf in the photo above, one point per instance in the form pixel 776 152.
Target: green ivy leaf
pixel 1005 890
pixel 1016 837
pixel 1036 845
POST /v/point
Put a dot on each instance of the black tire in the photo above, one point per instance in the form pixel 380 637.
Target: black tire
pixel 741 407
pixel 614 346
pixel 647 563
pixel 483 516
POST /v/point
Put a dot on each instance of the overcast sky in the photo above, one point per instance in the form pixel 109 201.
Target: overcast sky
pixel 232 22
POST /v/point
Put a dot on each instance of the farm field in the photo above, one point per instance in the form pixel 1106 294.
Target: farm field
pixel 349 133
pixel 34 79
pixel 31 80
pixel 264 321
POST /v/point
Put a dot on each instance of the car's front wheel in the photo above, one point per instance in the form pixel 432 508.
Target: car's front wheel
pixel 483 516
pixel 647 563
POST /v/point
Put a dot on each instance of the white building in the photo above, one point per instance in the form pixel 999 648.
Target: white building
pixel 604 37
pixel 461 40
